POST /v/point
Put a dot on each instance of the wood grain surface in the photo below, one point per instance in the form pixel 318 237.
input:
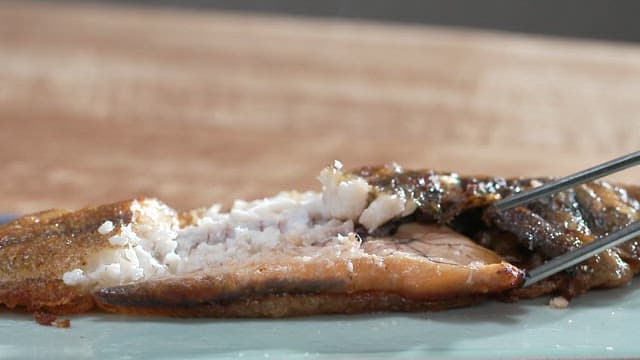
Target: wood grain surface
pixel 101 103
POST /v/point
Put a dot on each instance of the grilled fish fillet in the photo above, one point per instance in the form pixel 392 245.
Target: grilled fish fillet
pixel 376 239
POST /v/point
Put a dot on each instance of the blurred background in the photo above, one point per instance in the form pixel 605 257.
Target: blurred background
pixel 599 19
pixel 201 101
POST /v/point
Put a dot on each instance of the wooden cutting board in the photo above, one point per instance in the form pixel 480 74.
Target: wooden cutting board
pixel 101 103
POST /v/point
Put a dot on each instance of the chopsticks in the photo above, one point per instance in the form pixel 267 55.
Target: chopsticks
pixel 575 257
pixel 570 181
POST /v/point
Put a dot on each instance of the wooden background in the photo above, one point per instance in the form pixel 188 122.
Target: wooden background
pixel 99 104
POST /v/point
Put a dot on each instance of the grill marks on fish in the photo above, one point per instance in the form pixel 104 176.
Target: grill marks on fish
pixel 609 208
pixel 544 229
pixel 555 225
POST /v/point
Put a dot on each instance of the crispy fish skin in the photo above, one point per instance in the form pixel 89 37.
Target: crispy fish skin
pixel 608 208
pixel 554 226
pixel 293 304
pixel 545 228
pixel 37 249
pixel 440 196
pixel 288 305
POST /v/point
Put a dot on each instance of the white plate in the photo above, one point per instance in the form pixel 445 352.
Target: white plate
pixel 601 324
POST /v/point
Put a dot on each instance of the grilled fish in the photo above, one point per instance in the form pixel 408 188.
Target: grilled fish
pixel 374 239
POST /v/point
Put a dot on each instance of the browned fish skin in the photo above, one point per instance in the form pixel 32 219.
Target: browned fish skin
pixel 633 191
pixel 284 305
pixel 36 249
pixel 554 226
pixel 609 208
pixel 440 196
pixel 544 229
pixel 606 269
pixel 195 296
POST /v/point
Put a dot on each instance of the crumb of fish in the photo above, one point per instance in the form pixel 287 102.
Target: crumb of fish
pixel 45 319
pixel 62 323
pixel 559 302
pixel 106 227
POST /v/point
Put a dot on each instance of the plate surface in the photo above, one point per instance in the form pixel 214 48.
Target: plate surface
pixel 601 324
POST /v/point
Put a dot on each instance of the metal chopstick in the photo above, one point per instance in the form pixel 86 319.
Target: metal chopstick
pixel 580 254
pixel 564 183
